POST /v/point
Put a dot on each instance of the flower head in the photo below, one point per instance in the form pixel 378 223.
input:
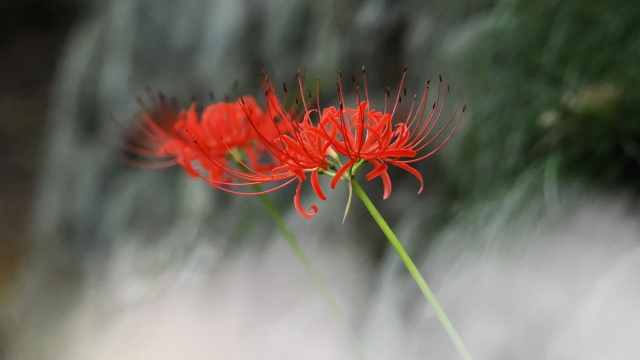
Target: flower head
pixel 399 135
pixel 233 146
pixel 298 144
pixel 199 142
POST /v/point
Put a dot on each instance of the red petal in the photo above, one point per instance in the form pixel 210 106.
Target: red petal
pixel 340 172
pixel 386 185
pixel 316 186
pixel 381 170
pixel 399 153
pixel 298 204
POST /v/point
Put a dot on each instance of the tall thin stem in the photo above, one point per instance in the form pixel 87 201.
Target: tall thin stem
pixel 315 277
pixel 413 270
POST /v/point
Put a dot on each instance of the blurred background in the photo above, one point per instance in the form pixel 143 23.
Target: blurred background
pixel 528 229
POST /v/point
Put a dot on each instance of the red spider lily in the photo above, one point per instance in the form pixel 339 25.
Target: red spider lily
pixel 299 146
pixel 397 136
pixel 234 145
pixel 199 143
pixel 293 144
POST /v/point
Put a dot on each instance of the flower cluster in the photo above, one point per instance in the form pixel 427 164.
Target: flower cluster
pixel 239 144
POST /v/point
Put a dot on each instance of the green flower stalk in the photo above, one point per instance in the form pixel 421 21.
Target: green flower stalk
pixel 413 270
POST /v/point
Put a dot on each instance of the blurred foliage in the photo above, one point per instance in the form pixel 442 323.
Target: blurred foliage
pixel 18 17
pixel 554 88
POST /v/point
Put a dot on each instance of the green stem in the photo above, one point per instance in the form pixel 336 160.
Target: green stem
pixel 413 270
pixel 315 277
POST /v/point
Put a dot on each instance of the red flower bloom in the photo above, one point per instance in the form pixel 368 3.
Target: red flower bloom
pixel 396 136
pixel 299 146
pixel 200 143
pixel 233 145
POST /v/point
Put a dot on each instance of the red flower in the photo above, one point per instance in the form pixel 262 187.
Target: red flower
pixel 396 136
pixel 234 145
pixel 200 143
pixel 299 146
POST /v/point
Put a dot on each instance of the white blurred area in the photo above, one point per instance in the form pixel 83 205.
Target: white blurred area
pixel 561 284
pixel 256 305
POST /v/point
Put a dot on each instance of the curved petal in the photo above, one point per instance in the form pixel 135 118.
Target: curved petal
pixel 298 204
pixel 316 186
pixel 340 172
pixel 381 170
pixel 380 167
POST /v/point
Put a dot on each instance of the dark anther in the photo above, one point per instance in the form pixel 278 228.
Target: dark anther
pixel 440 77
pixel 284 87
pixel 464 107
pixel 406 67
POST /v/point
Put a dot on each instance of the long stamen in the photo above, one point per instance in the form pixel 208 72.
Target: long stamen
pixel 432 119
pixel 356 88
pixel 387 101
pixel 339 84
pixel 304 103
pixel 286 95
pixel 404 74
pixel 418 129
pixel 464 108
pixel 346 134
pixel 364 83
pixel 318 96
